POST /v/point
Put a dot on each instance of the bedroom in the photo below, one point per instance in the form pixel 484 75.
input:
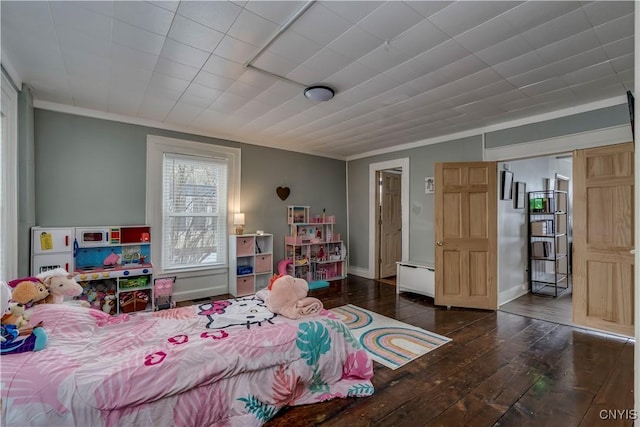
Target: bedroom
pixel 79 167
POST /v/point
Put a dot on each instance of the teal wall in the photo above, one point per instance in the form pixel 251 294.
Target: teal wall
pixel 93 172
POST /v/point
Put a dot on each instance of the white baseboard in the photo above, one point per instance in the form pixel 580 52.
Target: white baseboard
pixel 360 272
pixel 513 293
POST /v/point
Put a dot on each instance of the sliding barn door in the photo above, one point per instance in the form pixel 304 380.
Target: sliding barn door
pixel 466 235
pixel 603 230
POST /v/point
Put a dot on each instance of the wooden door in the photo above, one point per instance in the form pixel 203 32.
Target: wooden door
pixel 603 230
pixel 466 235
pixel 390 224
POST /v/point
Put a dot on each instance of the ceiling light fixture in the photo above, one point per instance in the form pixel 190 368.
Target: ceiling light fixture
pixel 319 93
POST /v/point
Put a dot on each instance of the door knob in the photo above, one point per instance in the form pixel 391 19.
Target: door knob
pixel 439 243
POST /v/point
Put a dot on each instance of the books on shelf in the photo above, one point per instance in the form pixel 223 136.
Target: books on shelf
pixel 542 227
pixel 541 249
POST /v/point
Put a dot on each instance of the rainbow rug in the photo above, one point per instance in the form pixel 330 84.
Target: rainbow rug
pixel 388 341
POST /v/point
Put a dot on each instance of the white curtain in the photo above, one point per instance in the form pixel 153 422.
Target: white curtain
pixel 8 181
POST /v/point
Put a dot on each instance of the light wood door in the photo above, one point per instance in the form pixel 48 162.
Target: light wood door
pixel 603 229
pixel 390 224
pixel 466 235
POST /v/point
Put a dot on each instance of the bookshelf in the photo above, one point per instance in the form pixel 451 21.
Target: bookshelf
pixel 250 263
pixel 548 242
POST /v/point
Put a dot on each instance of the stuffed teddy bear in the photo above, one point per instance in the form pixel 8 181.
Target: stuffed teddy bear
pixel 16 315
pixel 60 284
pixel 10 341
pixel 27 292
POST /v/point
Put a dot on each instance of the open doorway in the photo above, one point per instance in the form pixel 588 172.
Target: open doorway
pixel 522 290
pixel 398 168
pixel 389 224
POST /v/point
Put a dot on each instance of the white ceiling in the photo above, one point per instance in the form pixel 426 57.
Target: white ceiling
pixel 403 71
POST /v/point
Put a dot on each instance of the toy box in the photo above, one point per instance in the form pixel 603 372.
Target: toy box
pixel 134 301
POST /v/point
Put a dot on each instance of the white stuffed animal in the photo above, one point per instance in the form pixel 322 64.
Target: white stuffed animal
pixel 60 283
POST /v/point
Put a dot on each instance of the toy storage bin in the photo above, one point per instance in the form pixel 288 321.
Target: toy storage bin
pixel 244 269
pixel 245 285
pixel 134 301
pixel 246 246
pixel 134 282
pixel 263 263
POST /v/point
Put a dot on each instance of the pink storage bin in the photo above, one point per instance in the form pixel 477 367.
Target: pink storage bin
pixel 244 285
pixel 263 263
pixel 245 246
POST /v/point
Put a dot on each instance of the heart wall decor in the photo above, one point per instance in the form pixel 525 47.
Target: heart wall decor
pixel 283 192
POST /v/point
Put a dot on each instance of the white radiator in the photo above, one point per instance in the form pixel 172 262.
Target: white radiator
pixel 415 278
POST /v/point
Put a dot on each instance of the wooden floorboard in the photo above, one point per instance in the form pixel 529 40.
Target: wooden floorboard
pixel 557 310
pixel 500 369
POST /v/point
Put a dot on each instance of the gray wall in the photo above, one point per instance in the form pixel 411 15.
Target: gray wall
pixel 421 205
pixel 92 172
pixel 576 123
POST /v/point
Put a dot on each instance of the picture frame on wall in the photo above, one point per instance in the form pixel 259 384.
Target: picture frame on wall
pixel 520 193
pixel 429 185
pixel 506 182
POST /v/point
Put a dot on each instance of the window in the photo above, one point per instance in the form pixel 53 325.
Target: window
pixel 196 186
pixel 8 181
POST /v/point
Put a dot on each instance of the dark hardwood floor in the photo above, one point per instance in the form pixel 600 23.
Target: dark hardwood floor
pixel 501 369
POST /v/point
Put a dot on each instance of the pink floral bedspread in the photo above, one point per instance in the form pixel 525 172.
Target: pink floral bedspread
pixel 228 363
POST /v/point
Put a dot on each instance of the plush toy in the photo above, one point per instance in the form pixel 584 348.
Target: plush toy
pixel 288 296
pixel 60 284
pixel 27 292
pixel 10 336
pixel 16 316
pixel 109 305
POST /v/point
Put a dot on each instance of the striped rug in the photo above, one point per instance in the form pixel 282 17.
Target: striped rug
pixel 388 341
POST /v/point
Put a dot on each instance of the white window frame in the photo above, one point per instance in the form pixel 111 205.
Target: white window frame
pixel 157 146
pixel 9 181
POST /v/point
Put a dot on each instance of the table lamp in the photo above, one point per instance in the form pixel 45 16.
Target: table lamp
pixel 238 221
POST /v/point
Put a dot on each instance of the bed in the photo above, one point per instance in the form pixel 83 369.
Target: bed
pixel 230 362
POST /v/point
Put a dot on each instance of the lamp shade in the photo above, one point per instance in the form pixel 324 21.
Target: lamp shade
pixel 319 93
pixel 238 219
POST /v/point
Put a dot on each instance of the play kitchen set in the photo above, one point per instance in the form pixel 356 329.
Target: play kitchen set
pixel 112 263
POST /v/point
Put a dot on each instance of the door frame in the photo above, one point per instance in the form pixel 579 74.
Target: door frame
pixel 552 146
pixel 402 164
pixel 601 137
pixel 378 221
